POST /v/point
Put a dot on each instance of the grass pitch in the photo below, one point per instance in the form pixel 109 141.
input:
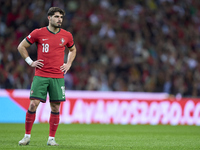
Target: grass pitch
pixel 103 137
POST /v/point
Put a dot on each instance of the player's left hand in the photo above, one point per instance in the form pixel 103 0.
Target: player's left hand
pixel 65 67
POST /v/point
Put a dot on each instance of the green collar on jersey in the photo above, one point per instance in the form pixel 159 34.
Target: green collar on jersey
pixel 53 32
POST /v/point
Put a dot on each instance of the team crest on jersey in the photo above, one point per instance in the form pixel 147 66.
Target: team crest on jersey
pixel 62 41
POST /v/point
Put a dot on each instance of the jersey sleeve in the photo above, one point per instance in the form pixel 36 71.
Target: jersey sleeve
pixel 32 37
pixel 70 41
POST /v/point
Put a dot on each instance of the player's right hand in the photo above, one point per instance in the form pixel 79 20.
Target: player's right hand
pixel 38 63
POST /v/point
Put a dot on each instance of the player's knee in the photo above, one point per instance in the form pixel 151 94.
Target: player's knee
pixel 33 105
pixel 55 107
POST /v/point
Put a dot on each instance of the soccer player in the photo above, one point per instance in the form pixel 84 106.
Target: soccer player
pixel 49 70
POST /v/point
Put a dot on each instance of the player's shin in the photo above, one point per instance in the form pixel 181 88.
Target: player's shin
pixel 53 123
pixel 30 118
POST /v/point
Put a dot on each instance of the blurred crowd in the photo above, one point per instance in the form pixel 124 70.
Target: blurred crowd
pixel 122 45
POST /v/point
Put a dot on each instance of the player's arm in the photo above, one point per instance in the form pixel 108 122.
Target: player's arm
pixel 22 48
pixel 71 55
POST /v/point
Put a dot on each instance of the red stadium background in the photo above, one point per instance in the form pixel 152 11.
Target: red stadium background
pixel 115 108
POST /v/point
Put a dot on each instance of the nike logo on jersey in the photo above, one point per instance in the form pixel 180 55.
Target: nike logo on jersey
pixel 44 39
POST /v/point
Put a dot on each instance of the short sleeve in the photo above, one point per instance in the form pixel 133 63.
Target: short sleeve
pixel 70 41
pixel 32 37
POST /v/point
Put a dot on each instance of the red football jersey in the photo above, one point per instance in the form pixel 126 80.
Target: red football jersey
pixel 51 49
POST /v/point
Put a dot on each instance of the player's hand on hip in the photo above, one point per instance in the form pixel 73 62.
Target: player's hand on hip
pixel 37 64
pixel 65 67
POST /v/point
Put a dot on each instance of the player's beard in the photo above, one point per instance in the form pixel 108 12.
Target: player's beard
pixel 56 26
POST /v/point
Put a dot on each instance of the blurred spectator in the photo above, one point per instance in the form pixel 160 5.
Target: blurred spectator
pixel 129 45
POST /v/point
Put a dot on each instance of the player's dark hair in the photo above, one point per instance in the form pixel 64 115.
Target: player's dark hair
pixel 52 11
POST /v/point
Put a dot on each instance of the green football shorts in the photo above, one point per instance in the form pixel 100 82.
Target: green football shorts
pixel 54 86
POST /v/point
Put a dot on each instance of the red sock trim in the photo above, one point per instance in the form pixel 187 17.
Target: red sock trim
pixel 30 118
pixel 53 123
